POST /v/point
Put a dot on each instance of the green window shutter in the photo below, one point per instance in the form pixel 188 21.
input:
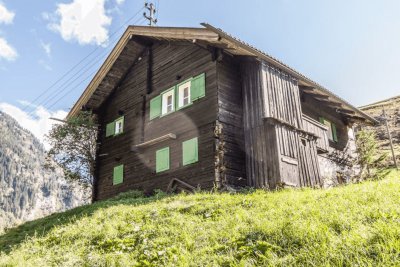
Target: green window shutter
pixel 334 132
pixel 321 120
pixel 162 159
pixel 198 87
pixel 110 129
pixel 155 107
pixel 118 176
pixel 190 151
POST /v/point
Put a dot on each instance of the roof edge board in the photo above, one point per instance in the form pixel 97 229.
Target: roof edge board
pixel 98 77
pixel 286 68
pixel 187 33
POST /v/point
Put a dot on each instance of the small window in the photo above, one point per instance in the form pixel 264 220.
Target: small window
pixel 168 102
pixel 119 126
pixel 190 152
pixel 332 132
pixel 118 175
pixel 184 94
pixel 162 159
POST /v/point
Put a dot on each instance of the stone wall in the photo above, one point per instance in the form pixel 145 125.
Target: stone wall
pixel 337 166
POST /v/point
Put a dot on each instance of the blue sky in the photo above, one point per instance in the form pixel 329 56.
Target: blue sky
pixel 350 47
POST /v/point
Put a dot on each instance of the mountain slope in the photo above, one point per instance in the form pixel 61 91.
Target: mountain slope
pixel 355 225
pixel 28 190
pixel 392 109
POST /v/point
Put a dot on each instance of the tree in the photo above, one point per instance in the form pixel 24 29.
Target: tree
pixel 368 153
pixel 73 147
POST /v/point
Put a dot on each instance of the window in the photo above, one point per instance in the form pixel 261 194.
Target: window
pixel 118 175
pixel 332 132
pixel 116 127
pixel 184 94
pixel 168 101
pixel 119 126
pixel 162 159
pixel 190 152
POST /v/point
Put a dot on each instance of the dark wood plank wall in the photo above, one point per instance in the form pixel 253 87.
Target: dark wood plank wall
pixel 260 142
pixel 230 116
pixel 170 61
pixel 309 105
pixel 276 145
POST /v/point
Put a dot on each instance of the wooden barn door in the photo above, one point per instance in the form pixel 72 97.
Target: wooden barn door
pixel 308 159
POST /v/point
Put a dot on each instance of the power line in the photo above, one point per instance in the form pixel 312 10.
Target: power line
pixel 80 62
pixel 71 79
pixel 76 86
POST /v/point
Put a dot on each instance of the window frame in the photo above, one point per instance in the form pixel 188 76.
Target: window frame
pixel 332 130
pixel 164 97
pixel 180 93
pixel 122 121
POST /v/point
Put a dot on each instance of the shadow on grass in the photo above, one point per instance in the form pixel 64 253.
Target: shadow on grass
pixel 40 227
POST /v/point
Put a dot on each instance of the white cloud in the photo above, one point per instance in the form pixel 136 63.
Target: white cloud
pixel 81 20
pixel 6 16
pixel 7 51
pixel 39 123
pixel 46 47
pixel 119 2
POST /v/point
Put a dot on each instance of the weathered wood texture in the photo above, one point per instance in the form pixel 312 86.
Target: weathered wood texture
pixel 230 116
pixel 171 64
pixel 315 109
pixel 278 151
pixel 281 96
pixel 320 131
pixel 258 147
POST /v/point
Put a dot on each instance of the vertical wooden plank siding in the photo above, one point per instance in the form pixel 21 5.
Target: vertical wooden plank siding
pixel 282 97
pixel 273 129
pixel 320 131
pixel 259 145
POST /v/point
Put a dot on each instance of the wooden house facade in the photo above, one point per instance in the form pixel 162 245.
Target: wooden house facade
pixel 198 108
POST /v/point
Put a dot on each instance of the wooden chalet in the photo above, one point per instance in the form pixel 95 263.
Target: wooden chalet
pixel 197 108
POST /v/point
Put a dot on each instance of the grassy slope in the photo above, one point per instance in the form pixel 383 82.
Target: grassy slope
pixel 352 225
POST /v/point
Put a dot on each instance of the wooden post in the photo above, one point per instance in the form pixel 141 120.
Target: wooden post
pixel 390 137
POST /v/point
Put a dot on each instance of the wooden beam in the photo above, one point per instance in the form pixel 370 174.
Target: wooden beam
pixel 331 103
pixel 345 111
pixel 154 141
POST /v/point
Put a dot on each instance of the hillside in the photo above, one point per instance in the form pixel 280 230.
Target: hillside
pixel 28 190
pixel 392 109
pixel 355 225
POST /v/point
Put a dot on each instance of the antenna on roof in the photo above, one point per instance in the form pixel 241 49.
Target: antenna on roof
pixel 152 10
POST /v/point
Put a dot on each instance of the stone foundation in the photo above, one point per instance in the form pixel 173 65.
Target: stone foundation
pixel 339 169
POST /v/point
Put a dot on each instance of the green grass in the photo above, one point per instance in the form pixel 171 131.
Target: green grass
pixel 355 225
